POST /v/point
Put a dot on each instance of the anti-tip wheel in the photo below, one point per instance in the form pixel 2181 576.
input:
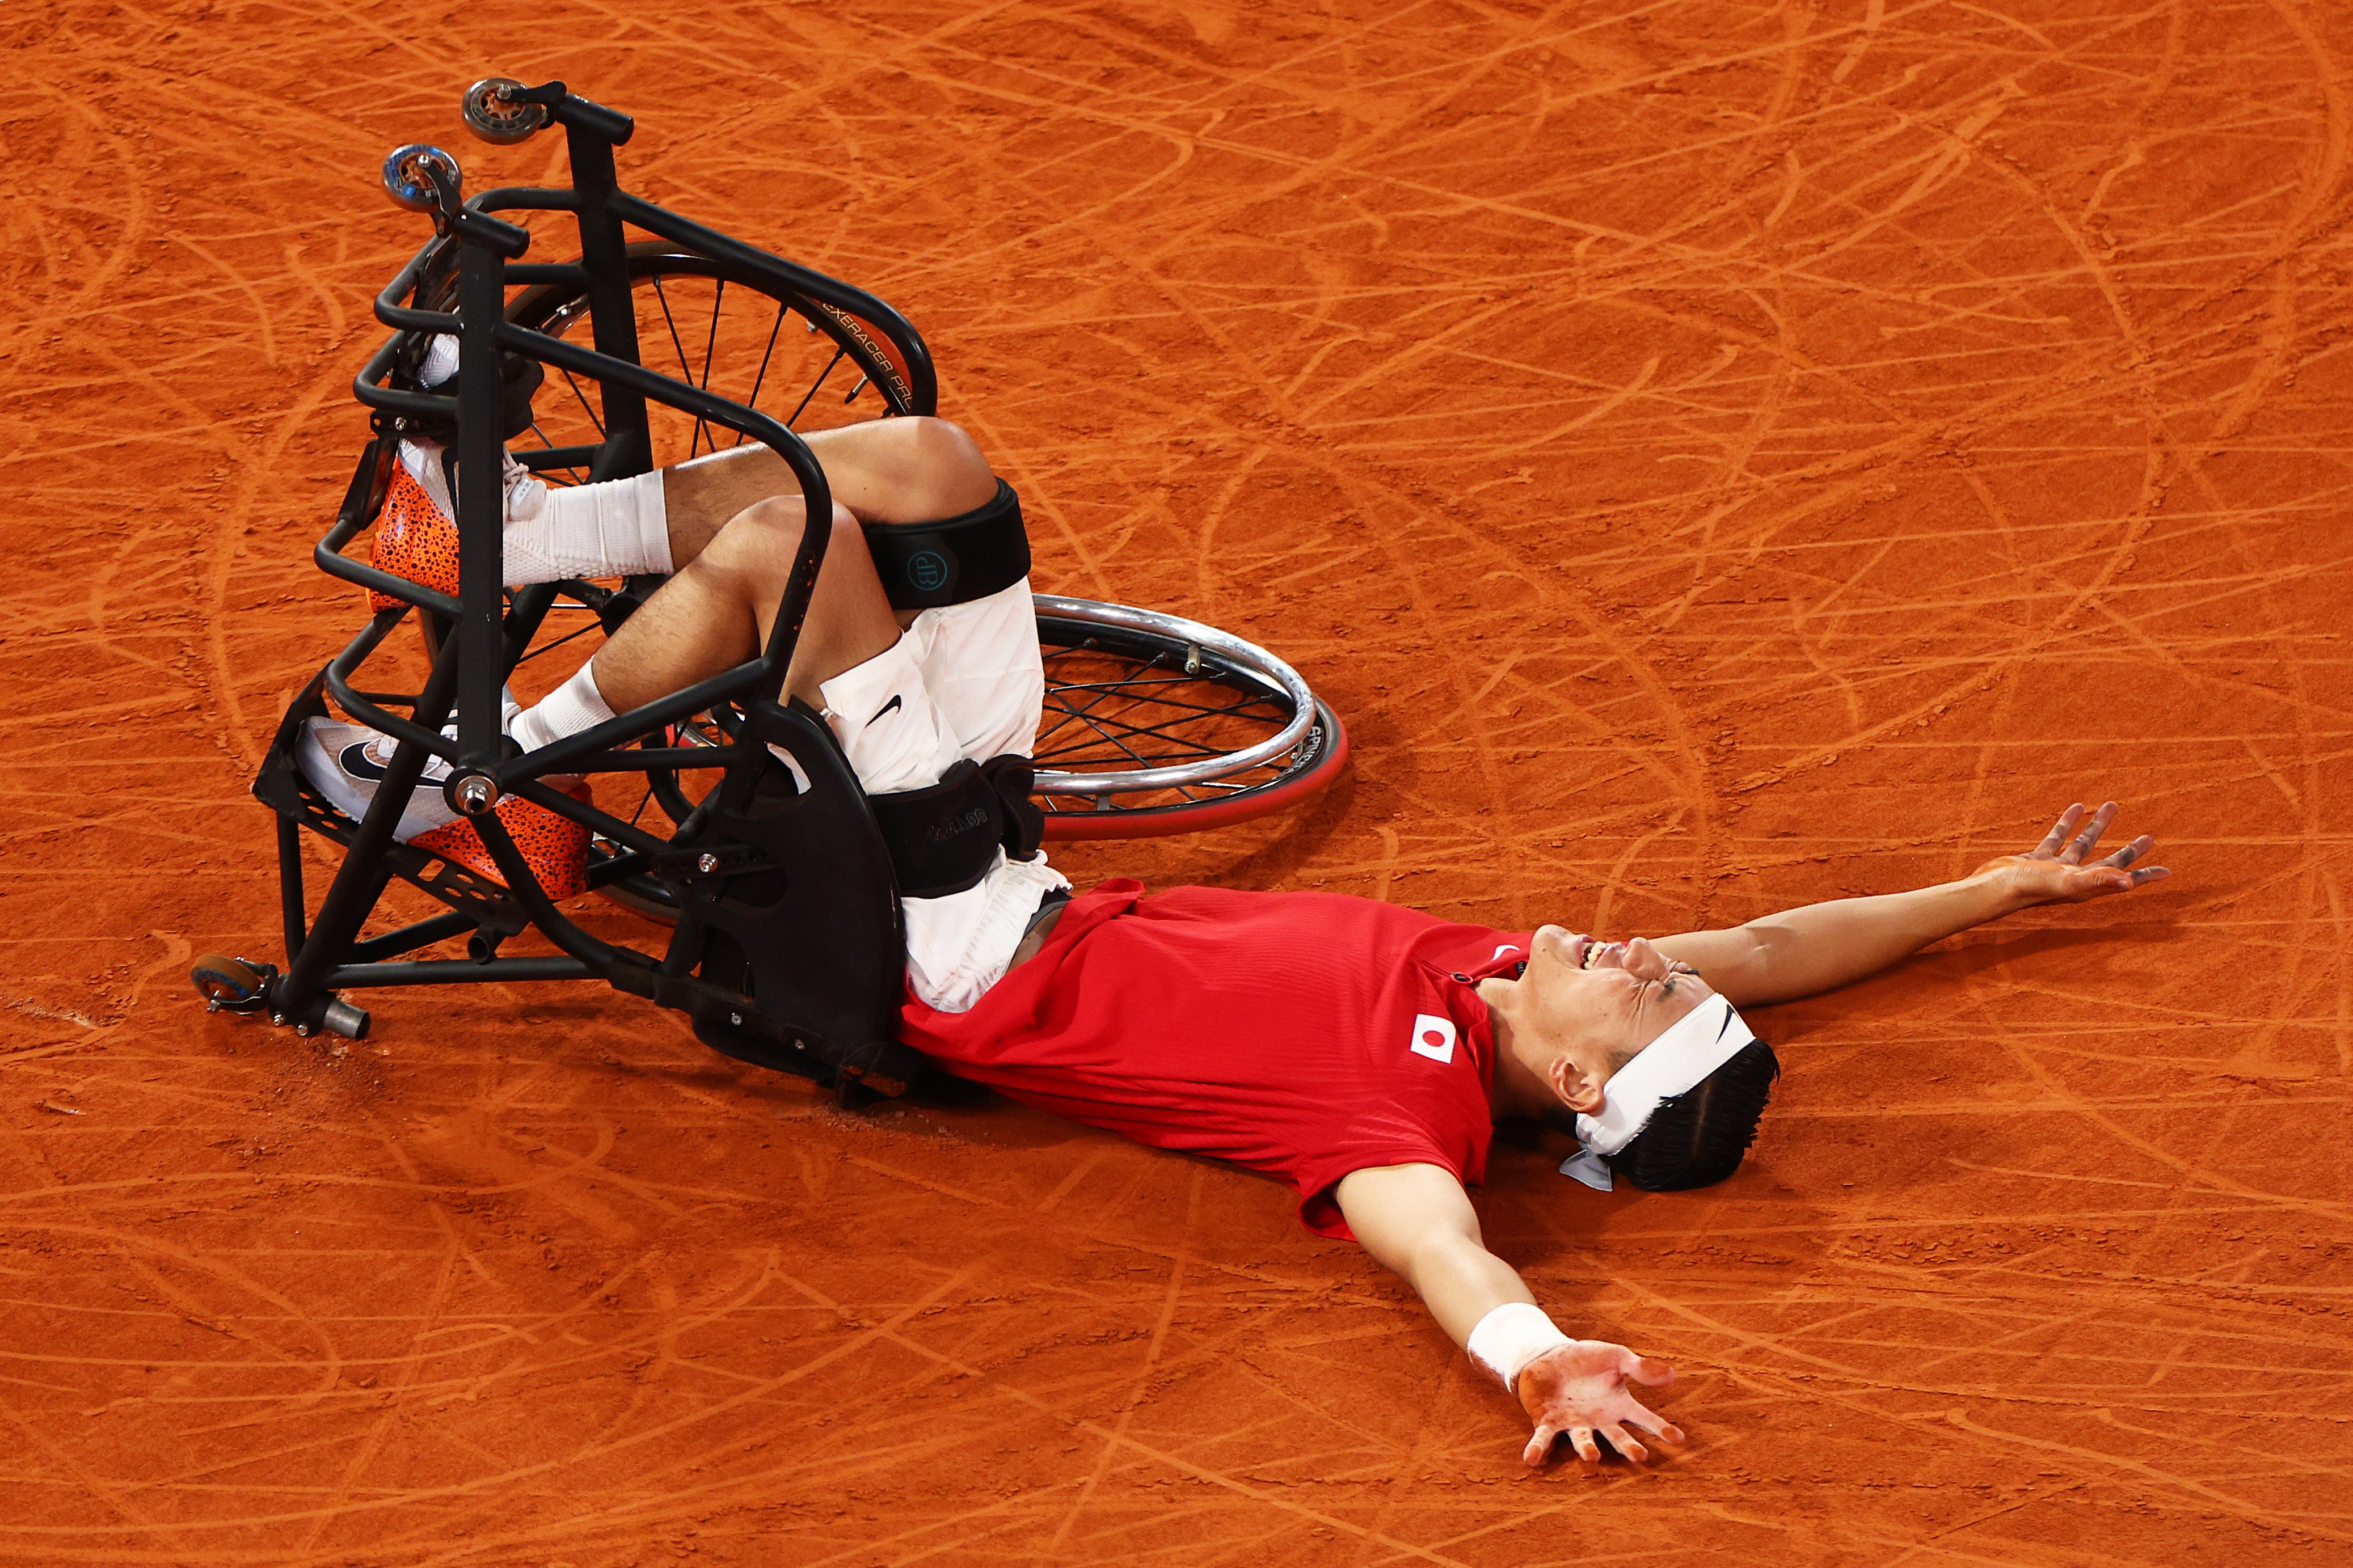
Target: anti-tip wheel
pixel 232 984
pixel 495 112
pixel 408 179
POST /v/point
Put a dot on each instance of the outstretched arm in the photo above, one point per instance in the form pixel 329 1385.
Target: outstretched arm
pixel 1417 1220
pixel 1803 952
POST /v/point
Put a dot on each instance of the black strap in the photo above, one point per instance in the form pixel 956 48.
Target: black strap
pixel 1012 775
pixel 944 838
pixel 925 566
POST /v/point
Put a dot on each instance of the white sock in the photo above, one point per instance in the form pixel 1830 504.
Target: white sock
pixel 575 706
pixel 620 528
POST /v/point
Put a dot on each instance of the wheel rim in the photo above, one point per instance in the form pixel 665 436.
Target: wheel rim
pixel 1154 724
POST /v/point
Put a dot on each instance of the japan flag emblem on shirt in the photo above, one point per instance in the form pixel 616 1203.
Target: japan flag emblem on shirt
pixel 1433 1036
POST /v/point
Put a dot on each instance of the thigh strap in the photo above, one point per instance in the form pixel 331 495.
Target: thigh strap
pixel 926 565
pixel 944 838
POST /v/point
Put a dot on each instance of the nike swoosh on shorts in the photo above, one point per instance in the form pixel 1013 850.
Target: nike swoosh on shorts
pixel 885 708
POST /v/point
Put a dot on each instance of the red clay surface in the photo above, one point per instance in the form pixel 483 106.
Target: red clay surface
pixel 1716 456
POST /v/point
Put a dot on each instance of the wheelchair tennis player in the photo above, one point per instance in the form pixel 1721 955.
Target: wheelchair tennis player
pixel 1357 1051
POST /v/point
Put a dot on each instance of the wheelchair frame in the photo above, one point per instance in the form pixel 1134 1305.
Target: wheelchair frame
pixel 841 1025
pixel 788 949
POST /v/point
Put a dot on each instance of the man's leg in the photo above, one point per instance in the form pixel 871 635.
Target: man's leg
pixel 727 581
pixel 730 567
pixel 906 708
pixel 886 470
pixel 718 610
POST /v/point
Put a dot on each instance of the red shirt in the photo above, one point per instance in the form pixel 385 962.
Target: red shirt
pixel 1304 1034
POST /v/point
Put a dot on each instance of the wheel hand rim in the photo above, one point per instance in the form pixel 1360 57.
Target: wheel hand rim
pixel 1245 657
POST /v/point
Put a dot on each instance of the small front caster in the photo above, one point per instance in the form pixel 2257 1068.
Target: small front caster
pixel 496 110
pixel 408 176
pixel 232 984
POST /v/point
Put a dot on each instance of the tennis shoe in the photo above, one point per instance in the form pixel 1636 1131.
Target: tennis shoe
pixel 414 539
pixel 346 763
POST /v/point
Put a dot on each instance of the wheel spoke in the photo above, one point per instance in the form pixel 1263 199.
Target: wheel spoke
pixel 1201 710
pixel 819 387
pixel 710 352
pixel 683 368
pixel 1159 731
pixel 585 406
pixel 761 379
pixel 559 642
pixel 1069 712
pixel 1132 755
pixel 1135 719
pixel 577 477
pixel 711 341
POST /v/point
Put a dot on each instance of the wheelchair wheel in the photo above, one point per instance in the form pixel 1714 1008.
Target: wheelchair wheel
pixel 1154 724
pixel 798 360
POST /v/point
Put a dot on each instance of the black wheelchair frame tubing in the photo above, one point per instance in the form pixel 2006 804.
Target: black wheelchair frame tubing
pixel 469 667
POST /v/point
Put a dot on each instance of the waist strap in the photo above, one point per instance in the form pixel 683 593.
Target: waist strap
pixel 944 838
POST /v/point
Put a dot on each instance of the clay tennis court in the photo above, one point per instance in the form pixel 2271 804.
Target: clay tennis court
pixel 1715 457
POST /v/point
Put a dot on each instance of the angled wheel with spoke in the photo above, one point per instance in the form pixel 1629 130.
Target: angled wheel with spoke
pixel 1154 724
pixel 798 360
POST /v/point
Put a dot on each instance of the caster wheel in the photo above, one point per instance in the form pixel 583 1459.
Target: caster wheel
pixel 408 176
pixel 232 984
pixel 493 113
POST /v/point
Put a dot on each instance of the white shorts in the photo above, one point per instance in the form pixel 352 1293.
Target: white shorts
pixel 963 681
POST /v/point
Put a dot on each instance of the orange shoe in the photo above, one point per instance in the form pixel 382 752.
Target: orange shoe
pixel 554 847
pixel 414 539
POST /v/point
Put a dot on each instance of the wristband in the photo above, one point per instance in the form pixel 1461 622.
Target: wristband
pixel 1511 1336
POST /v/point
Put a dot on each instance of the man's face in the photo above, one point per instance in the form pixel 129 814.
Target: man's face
pixel 1584 1008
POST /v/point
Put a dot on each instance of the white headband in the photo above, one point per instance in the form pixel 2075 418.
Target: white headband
pixel 1695 1045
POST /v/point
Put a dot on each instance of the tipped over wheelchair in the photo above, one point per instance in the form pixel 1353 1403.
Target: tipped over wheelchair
pixel 735 819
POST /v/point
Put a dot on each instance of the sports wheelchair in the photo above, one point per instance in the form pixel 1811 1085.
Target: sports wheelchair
pixel 786 947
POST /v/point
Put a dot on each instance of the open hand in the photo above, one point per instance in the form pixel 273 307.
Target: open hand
pixel 2055 872
pixel 1580 1389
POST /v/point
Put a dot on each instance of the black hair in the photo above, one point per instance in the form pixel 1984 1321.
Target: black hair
pixel 1697 1138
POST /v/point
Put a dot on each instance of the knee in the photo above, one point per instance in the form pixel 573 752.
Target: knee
pixel 847 544
pixel 936 468
pixel 763 539
pixel 845 555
